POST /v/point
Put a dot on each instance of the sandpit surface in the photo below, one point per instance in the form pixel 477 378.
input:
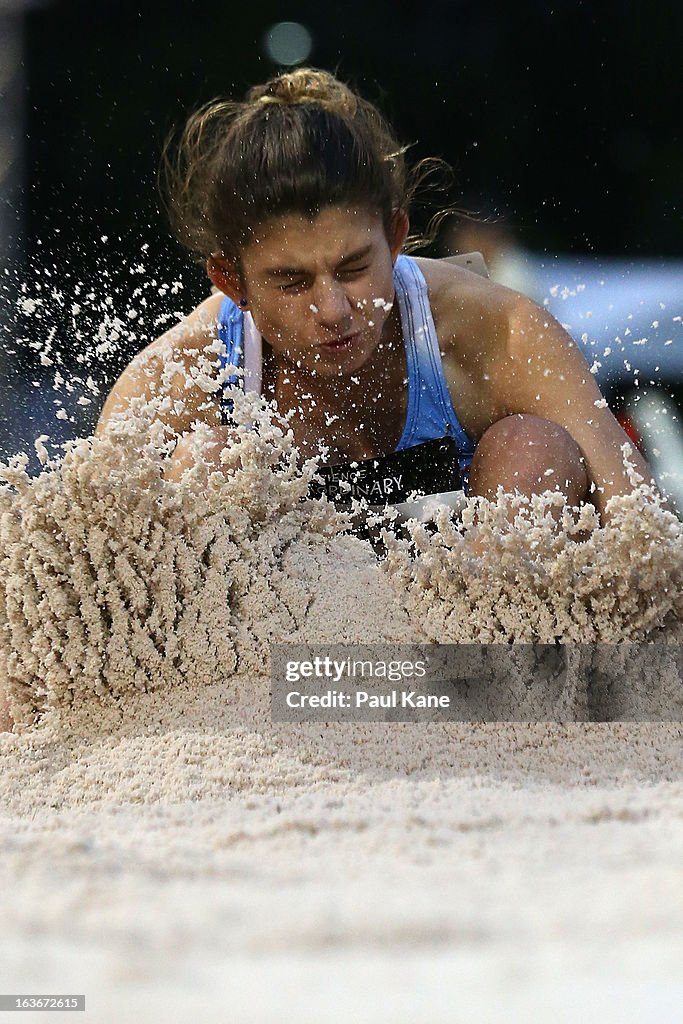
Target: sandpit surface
pixel 174 854
pixel 248 873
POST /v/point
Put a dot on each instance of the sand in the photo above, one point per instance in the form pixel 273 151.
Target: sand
pixel 173 853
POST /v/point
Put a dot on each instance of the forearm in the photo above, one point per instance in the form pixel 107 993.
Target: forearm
pixel 621 479
pixel 193 450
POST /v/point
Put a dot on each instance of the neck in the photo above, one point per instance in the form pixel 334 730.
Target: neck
pixel 355 415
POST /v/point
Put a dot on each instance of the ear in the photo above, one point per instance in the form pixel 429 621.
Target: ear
pixel 225 277
pixel 399 229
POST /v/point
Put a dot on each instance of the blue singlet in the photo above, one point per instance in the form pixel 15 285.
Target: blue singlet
pixel 430 409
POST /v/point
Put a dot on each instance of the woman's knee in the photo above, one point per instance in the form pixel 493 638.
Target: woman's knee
pixel 529 454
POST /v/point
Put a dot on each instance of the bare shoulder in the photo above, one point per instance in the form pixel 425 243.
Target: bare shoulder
pixel 470 311
pixel 193 333
pixel 168 363
pixel 472 317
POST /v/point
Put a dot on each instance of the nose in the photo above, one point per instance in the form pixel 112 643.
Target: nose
pixel 334 309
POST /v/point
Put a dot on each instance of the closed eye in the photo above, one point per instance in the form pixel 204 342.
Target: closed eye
pixel 350 272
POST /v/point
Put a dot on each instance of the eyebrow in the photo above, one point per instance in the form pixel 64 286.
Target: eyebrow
pixel 279 272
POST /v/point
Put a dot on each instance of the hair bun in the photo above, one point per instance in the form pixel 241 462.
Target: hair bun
pixel 306 85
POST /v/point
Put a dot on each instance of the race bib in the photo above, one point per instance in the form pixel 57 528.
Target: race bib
pixel 428 468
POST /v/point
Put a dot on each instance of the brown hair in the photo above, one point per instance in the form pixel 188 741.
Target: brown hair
pixel 296 144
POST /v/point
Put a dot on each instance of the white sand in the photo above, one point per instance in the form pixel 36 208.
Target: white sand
pixel 243 873
pixel 173 854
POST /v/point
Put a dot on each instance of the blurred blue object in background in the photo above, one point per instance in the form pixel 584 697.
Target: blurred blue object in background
pixel 626 314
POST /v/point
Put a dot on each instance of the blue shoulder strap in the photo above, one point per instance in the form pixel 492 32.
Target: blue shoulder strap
pixel 231 333
pixel 430 410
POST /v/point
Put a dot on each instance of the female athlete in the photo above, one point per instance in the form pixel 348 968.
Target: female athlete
pixel 297 203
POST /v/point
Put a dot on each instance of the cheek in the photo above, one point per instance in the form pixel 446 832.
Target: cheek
pixel 372 299
pixel 281 322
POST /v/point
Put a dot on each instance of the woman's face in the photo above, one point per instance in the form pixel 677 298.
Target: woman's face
pixel 320 291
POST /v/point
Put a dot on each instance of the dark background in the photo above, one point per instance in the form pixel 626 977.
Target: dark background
pixel 563 116
pixel 567 113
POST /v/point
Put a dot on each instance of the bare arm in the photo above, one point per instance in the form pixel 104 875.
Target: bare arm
pixel 547 375
pixel 186 455
pixel 164 367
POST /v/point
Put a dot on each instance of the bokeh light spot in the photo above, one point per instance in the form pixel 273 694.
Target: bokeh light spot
pixel 288 42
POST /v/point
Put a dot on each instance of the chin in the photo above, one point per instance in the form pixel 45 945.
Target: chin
pixel 344 362
pixel 340 367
